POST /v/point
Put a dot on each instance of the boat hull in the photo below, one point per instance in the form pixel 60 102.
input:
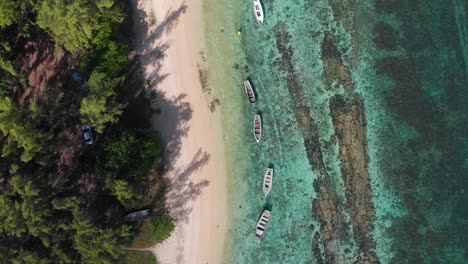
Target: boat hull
pixel 258 11
pixel 268 181
pixel 257 128
pixel 250 93
pixel 138 216
pixel 262 224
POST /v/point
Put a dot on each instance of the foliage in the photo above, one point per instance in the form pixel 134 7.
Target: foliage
pixel 155 230
pixel 96 245
pixel 144 237
pixel 19 133
pixel 127 159
pixel 99 108
pixel 124 192
pixel 8 12
pixel 72 24
pixel 163 226
pixel 28 211
pixel 7 66
pixel 14 17
pixel 27 214
pixel 139 257
pixel 63 201
pixel 131 155
pixel 107 54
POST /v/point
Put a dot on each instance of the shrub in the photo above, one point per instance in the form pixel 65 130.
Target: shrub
pixel 163 226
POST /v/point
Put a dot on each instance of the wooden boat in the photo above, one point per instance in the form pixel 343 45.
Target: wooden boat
pixel 257 127
pixel 138 216
pixel 262 224
pixel 250 92
pixel 267 181
pixel 258 11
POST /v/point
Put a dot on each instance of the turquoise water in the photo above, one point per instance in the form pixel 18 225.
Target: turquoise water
pixel 418 131
pixel 407 61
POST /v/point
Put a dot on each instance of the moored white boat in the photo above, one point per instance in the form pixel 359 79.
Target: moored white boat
pixel 258 11
pixel 262 224
pixel 267 181
pixel 257 127
pixel 250 92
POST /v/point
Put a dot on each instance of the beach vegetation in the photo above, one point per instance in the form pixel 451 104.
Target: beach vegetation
pixel 152 18
pixel 62 200
pixel 138 257
pixel 155 230
pixel 163 225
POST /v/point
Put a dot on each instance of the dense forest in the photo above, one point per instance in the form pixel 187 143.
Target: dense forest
pixel 65 64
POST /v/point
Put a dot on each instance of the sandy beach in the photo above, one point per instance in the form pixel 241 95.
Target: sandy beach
pixel 195 164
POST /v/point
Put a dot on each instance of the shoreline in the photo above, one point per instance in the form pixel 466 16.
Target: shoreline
pixel 195 164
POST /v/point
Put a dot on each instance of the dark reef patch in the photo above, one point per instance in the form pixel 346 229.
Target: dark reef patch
pixel 407 98
pixel 394 6
pixel 385 36
pixel 316 248
pixel 350 128
pixel 333 66
pixel 328 206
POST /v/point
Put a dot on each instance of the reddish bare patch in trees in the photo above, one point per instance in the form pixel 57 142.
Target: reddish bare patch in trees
pixel 43 65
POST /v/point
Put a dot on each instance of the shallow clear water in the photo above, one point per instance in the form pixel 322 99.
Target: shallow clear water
pixel 408 64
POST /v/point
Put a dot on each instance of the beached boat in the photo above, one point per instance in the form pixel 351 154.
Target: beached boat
pixel 138 216
pixel 250 92
pixel 258 11
pixel 262 224
pixel 257 127
pixel 267 181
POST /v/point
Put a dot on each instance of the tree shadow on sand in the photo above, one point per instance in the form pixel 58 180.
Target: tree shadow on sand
pixel 182 189
pixel 170 116
pixel 148 41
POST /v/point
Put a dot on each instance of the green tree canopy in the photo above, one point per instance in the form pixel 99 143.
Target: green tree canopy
pixel 71 23
pixel 126 161
pixel 7 66
pixel 8 12
pixel 67 204
pixel 19 133
pixel 163 225
pixel 107 55
pixel 99 107
pixel 25 210
pixel 131 155
pixel 97 245
pixel 124 192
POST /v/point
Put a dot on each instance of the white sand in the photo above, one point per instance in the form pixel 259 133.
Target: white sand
pixel 196 167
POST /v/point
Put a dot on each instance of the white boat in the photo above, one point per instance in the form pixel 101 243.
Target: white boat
pixel 267 181
pixel 257 127
pixel 250 92
pixel 258 11
pixel 262 224
pixel 138 216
